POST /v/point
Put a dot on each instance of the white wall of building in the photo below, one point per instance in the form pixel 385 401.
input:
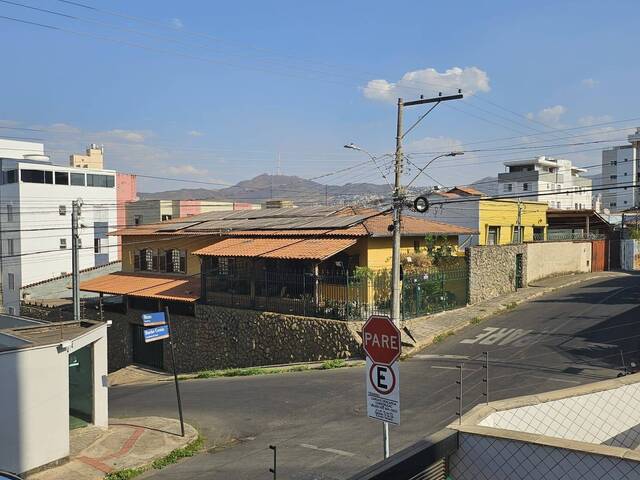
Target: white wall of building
pixel 35 225
pixel 34 408
pixel 463 214
pixel 553 181
pixel 34 400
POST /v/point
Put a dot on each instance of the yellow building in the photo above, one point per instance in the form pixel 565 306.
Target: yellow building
pixel 498 221
pixel 94 158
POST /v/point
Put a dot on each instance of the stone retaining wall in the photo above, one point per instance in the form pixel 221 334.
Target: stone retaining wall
pixel 492 270
pixel 219 337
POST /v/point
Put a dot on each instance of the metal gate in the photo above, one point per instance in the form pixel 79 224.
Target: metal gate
pixel 599 255
pixel 519 279
pixel 149 354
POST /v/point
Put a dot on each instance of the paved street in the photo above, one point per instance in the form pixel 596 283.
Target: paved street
pixel 317 418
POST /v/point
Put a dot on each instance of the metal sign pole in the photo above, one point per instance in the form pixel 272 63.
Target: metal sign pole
pixel 486 376
pixel 273 470
pixel 175 374
pixel 385 438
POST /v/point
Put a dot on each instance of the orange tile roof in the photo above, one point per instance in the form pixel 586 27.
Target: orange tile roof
pixel 466 189
pixel 186 289
pixel 284 248
pixel 413 226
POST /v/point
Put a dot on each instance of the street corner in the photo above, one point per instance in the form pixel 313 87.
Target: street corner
pixel 128 443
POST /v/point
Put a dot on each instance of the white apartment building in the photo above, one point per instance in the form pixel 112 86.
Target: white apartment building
pixel 551 180
pixel 621 170
pixel 35 217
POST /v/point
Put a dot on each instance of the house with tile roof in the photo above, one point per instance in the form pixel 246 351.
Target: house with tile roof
pixel 264 259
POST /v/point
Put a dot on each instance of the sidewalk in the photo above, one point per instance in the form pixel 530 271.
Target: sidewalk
pixel 425 329
pixel 128 443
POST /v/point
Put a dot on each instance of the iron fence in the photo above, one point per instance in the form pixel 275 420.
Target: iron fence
pixel 339 297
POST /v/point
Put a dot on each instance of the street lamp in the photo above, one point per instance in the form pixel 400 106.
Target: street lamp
pixel 353 146
pixel 450 154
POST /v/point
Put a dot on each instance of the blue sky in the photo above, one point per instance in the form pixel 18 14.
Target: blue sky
pixel 221 90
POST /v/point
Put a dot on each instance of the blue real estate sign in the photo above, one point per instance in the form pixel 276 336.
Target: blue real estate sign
pixel 153 319
pixel 156 333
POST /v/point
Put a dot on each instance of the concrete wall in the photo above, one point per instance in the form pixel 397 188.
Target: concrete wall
pixel 557 258
pixel 34 408
pixel 492 270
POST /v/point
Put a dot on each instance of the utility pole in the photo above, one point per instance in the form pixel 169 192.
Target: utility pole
pixel 76 207
pixel 519 222
pixel 398 202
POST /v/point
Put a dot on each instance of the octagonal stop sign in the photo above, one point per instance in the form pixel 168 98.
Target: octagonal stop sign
pixel 381 340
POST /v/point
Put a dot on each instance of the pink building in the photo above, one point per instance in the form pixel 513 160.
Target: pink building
pixel 126 191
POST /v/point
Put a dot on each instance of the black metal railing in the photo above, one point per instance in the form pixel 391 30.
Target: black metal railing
pixel 340 297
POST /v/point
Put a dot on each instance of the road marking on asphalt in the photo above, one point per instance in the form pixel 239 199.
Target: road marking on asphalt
pixel 424 356
pixel 502 336
pixel 554 379
pixel 328 450
pixel 444 368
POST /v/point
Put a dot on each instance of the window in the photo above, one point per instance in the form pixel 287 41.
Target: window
pixel 538 234
pixel 77 179
pixel 9 213
pixel 10 176
pixel 62 178
pixel 525 187
pixel 10 249
pixel 137 219
pixel 36 176
pixel 613 204
pixel 12 281
pixel 508 187
pixel 558 205
pixel 576 206
pixel 63 243
pixel 96 245
pixel 145 260
pixel 416 246
pixel 175 261
pixel 613 177
pixel 518 234
pixel 493 236
pixel 62 209
pixel 165 218
pixel 625 174
pixel 106 181
pixel 614 162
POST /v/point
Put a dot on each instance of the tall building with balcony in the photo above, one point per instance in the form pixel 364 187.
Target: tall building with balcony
pixel 545 179
pixel 621 175
pixel 35 217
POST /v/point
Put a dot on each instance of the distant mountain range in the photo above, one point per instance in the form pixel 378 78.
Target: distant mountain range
pixel 265 187
pixel 300 191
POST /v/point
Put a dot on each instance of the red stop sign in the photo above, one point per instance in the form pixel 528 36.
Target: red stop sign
pixel 381 339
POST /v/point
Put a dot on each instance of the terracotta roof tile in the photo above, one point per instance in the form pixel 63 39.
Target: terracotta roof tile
pixel 284 248
pixel 467 190
pixel 186 289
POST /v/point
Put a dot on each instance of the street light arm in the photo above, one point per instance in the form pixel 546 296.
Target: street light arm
pixel 425 167
pixel 374 159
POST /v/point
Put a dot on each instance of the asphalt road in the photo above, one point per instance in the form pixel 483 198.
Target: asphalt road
pixel 318 420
